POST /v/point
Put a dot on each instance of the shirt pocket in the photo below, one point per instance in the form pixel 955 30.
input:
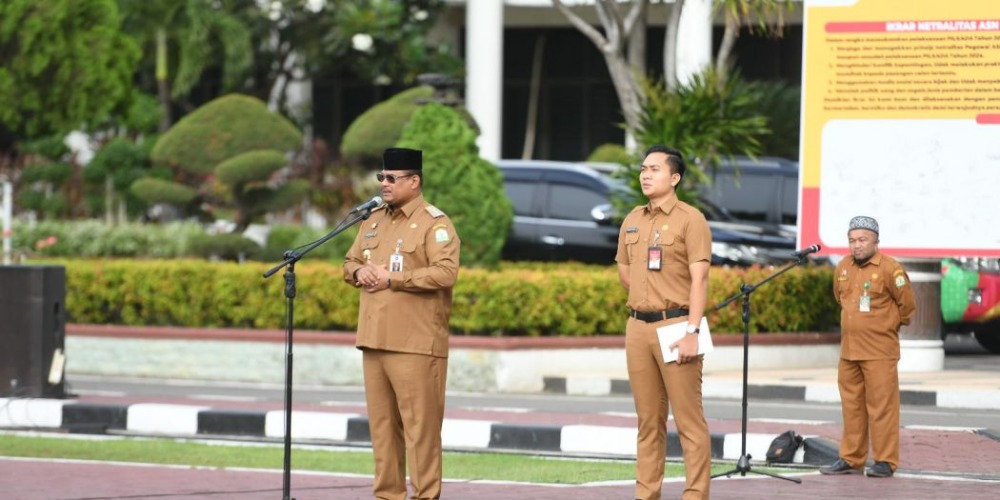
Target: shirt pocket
pixel 369 246
pixel 412 253
pixel 876 287
pixel 631 246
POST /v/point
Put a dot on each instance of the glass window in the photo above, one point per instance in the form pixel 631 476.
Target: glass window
pixel 573 202
pixel 521 195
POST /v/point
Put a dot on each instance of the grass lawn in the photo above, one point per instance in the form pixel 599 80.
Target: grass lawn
pixel 465 466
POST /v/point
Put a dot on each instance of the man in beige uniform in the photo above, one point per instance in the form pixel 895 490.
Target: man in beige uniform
pixel 664 254
pixel 876 298
pixel 405 260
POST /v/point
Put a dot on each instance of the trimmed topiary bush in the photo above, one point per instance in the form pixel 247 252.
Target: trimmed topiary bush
pixel 221 129
pixel 153 191
pixel 466 187
pixel 244 144
pixel 381 126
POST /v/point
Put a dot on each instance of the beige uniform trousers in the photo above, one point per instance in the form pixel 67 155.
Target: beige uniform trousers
pixel 405 395
pixel 657 388
pixel 869 395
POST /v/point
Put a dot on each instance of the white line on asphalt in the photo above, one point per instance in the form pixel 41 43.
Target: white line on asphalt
pixel 108 394
pixel 497 409
pixel 791 421
pixel 941 428
pixel 210 397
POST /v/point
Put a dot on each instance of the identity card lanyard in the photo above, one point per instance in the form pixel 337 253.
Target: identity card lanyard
pixel 654 261
pixel 866 301
pixel 396 260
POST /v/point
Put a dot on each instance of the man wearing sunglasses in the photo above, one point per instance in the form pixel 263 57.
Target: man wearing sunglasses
pixel 405 261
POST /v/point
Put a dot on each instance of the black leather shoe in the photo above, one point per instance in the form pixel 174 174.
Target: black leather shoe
pixel 880 469
pixel 839 467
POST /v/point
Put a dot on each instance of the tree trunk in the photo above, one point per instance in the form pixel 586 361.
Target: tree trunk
pixel 109 197
pixel 531 122
pixel 162 85
pixel 637 41
pixel 670 46
pixel 722 58
pixel 628 91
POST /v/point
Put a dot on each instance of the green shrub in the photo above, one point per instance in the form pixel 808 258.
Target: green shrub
pixel 611 153
pixel 381 126
pixel 459 182
pixel 152 190
pixel 230 246
pixel 92 238
pixel 224 128
pixel 282 238
pixel 551 300
pixel 250 166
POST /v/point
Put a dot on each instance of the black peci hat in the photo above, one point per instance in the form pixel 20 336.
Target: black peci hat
pixel 402 159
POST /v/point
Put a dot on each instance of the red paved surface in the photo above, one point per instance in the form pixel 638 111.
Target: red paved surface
pixel 35 480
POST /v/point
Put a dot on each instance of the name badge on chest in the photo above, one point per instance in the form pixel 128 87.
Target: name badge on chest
pixel 865 304
pixel 396 259
pixel 654 261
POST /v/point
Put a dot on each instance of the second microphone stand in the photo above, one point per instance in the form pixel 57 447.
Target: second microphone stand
pixel 743 464
pixel 291 257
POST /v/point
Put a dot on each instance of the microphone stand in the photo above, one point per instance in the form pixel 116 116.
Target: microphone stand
pixel 291 257
pixel 743 464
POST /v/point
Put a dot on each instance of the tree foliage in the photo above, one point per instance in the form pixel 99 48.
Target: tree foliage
pixel 63 64
pixel 705 119
pixel 459 182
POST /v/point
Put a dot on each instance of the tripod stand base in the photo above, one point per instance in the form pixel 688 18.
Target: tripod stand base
pixel 743 467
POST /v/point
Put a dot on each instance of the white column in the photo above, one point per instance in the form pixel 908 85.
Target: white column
pixel 694 39
pixel 484 72
pixel 8 213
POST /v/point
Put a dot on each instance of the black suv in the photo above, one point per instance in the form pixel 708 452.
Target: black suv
pixel 562 211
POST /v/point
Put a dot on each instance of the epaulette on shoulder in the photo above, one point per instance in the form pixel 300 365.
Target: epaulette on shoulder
pixel 434 211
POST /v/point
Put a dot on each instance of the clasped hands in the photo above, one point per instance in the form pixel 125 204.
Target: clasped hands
pixel 372 278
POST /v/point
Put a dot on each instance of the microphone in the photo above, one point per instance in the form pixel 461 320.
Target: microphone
pixel 806 251
pixel 368 205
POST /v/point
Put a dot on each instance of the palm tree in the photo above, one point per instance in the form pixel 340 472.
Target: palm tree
pixel 766 16
pixel 198 30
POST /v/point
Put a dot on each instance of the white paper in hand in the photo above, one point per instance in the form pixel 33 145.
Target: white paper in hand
pixel 672 333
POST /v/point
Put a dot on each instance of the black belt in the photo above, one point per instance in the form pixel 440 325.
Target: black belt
pixel 653 316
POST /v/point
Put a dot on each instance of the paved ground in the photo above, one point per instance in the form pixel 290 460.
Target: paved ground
pixel 35 480
pixel 937 463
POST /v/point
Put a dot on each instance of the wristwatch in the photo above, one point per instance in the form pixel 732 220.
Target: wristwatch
pixel 693 330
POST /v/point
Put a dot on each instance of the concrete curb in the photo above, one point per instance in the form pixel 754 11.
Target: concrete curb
pixel 814 393
pixel 456 434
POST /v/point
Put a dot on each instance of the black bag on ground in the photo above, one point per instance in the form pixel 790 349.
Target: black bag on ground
pixel 783 448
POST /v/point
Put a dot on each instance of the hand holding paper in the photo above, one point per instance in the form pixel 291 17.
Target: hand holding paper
pixel 671 334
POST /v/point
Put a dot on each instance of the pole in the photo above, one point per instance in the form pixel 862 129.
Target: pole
pixel 8 214
pixel 291 257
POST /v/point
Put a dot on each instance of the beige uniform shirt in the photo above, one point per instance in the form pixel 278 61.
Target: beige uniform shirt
pixel 873 334
pixel 412 315
pixel 682 234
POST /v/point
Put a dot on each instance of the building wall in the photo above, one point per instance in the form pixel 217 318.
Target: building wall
pixel 578 107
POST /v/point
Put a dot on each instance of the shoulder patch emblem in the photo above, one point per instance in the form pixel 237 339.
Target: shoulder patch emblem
pixel 434 211
pixel 441 235
pixel 900 281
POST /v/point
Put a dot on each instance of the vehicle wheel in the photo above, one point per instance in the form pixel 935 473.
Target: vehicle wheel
pixel 988 336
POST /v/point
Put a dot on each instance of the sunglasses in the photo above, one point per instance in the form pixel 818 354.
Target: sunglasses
pixel 391 177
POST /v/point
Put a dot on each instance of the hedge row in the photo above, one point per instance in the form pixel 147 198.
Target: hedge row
pixel 568 300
